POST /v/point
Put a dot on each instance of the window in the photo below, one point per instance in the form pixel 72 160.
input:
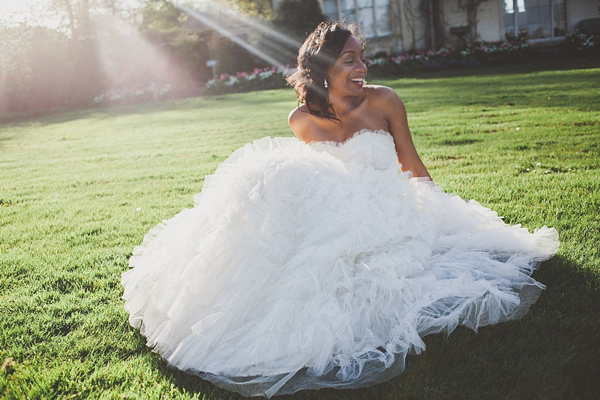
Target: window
pixel 348 8
pixel 330 9
pixel 534 19
pixel 372 15
pixel 383 21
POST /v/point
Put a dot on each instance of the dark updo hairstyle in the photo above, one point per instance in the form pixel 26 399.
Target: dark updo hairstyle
pixel 316 56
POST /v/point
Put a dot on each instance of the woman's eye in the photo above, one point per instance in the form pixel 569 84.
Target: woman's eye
pixel 352 61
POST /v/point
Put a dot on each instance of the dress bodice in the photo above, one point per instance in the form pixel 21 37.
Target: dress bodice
pixel 365 147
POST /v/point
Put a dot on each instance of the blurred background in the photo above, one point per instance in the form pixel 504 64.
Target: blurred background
pixel 60 55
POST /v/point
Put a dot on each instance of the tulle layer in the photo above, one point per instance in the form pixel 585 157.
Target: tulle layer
pixel 308 266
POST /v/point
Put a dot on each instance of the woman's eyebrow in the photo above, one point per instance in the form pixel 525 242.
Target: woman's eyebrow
pixel 350 52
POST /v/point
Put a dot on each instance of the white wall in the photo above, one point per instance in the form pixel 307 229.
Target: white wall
pixel 489 25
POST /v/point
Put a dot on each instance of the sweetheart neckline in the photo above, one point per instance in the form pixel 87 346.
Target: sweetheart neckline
pixel 353 136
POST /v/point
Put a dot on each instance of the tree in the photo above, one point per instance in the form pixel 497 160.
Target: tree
pixel 162 24
pixel 91 50
pixel 50 68
pixel 87 79
pixel 299 17
pixel 251 8
pixel 33 74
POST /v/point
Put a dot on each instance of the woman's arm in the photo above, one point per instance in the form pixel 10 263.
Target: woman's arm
pixel 398 127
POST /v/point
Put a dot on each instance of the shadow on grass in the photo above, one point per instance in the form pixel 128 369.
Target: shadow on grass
pixel 203 103
pixel 553 352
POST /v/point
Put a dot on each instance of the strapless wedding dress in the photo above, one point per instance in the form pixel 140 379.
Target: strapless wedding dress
pixel 321 265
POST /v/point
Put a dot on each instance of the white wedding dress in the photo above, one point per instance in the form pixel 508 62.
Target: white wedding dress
pixel 321 265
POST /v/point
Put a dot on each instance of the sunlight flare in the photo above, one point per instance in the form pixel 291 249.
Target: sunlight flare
pixel 275 44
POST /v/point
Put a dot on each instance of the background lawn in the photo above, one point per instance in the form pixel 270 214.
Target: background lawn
pixel 78 191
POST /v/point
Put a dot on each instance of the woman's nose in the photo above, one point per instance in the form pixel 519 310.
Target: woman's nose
pixel 362 65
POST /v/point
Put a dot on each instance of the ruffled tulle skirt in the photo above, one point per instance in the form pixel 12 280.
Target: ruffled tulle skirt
pixel 309 266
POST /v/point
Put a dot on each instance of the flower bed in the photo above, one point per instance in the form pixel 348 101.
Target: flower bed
pixel 153 92
pixel 587 43
pixel 258 79
pixel 474 55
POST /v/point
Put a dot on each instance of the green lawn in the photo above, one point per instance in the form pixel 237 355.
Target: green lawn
pixel 79 190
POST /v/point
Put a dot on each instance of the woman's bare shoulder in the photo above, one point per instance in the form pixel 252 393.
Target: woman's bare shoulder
pixel 303 124
pixel 298 120
pixel 378 93
pixel 297 115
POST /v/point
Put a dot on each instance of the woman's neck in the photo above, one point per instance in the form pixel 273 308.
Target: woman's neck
pixel 346 104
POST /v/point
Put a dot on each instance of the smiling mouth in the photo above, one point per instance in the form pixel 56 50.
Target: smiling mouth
pixel 358 80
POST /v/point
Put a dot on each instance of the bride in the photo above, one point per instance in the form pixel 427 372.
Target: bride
pixel 316 262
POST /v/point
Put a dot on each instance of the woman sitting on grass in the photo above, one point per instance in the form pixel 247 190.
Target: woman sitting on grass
pixel 316 263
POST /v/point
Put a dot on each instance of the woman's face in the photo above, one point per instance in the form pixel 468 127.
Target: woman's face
pixel 347 75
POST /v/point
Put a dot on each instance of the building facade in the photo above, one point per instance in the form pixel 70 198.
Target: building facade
pixel 396 26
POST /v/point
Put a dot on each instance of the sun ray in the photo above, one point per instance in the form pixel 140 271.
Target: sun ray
pixel 276 45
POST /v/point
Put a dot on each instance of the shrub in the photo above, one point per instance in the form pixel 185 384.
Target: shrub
pixel 584 43
pixel 474 55
pixel 258 79
pixel 153 92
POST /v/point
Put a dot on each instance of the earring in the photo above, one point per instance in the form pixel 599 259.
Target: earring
pixel 325 84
